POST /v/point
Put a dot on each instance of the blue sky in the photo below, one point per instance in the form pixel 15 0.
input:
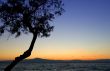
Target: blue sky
pixel 82 32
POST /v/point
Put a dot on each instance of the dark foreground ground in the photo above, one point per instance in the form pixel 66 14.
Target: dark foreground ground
pixel 58 66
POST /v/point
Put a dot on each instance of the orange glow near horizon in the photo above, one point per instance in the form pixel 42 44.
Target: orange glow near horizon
pixel 69 55
pixel 56 54
pixel 64 56
pixel 76 55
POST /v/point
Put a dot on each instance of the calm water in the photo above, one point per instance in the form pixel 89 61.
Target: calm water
pixel 58 66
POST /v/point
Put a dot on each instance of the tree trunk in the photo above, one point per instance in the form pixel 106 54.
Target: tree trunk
pixel 23 56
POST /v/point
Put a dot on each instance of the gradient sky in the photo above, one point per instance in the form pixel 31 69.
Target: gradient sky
pixel 82 32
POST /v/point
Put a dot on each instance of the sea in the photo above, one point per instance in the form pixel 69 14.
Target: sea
pixel 57 66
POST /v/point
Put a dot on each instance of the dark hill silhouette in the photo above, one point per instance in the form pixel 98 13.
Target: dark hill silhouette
pixel 40 60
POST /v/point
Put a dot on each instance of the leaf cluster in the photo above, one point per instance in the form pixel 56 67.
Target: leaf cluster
pixel 29 16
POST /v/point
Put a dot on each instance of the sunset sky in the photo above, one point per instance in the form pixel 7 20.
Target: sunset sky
pixel 82 32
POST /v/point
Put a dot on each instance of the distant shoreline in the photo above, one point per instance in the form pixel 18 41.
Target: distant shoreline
pixel 40 60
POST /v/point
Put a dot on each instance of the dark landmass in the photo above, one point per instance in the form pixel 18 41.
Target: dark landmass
pixel 40 60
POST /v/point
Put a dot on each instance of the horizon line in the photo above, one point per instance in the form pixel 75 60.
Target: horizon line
pixel 61 59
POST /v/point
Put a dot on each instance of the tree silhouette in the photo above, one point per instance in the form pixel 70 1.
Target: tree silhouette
pixel 28 16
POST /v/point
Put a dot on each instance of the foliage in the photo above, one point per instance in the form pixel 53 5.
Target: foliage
pixel 29 16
